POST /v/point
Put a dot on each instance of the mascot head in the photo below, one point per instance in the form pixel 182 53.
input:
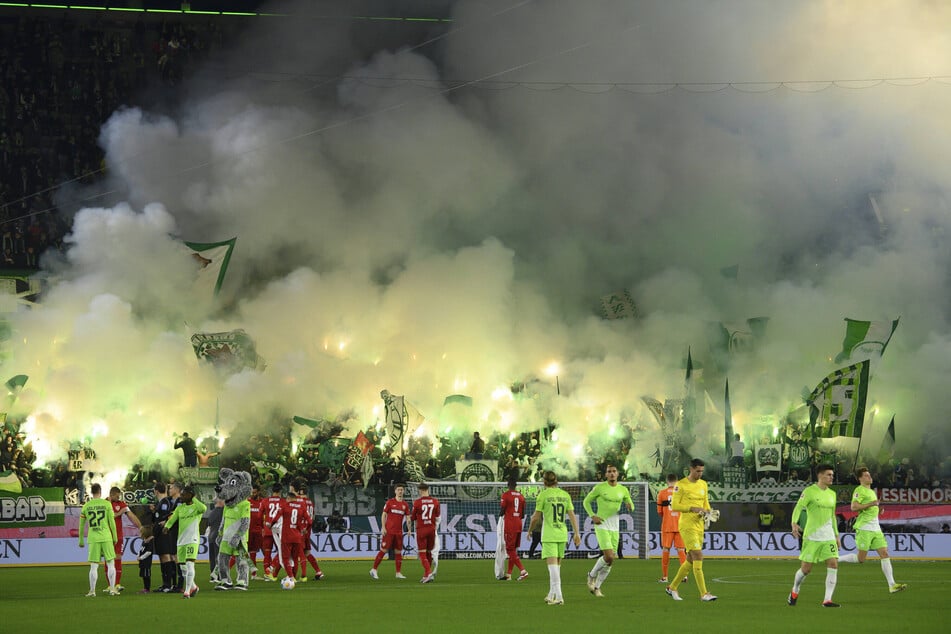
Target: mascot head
pixel 233 486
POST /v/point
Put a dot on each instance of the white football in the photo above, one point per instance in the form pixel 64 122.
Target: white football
pixel 288 583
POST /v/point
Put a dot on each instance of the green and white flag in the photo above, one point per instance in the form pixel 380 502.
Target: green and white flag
pixel 10 482
pixel 213 259
pixel 837 404
pixel 865 339
pixel 265 466
pixel 229 352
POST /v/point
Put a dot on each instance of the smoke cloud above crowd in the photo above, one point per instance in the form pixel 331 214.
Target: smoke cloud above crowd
pixel 443 217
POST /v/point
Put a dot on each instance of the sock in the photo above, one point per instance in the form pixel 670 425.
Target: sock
pixel 682 572
pixel 698 577
pixel 303 568
pixel 118 563
pixel 399 561
pixel 681 556
pixel 379 558
pixel 179 575
pixel 602 575
pixel 189 575
pixel 163 566
pixel 111 573
pixel 93 576
pixel 554 579
pixel 427 567
pixel 313 562
pixel 797 582
pixel 598 565
pixel 831 574
pixel 887 569
pixel 850 559
pixel 665 562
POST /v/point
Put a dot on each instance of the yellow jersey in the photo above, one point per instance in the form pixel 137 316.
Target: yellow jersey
pixel 689 494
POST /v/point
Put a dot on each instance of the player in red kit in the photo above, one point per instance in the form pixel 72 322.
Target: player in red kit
pixel 120 509
pixel 292 540
pixel 300 489
pixel 425 517
pixel 272 514
pixel 395 514
pixel 254 531
pixel 512 508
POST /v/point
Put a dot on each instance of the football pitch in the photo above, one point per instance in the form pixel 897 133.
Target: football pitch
pixel 466 598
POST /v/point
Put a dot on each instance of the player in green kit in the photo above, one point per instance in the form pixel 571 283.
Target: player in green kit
pixel 820 537
pixel 868 533
pixel 97 514
pixel 552 506
pixel 609 496
pixel 188 515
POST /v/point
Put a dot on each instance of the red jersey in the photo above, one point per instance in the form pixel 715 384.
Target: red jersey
pixel 396 511
pixel 295 516
pixel 426 513
pixel 669 519
pixel 309 505
pixel 272 511
pixel 257 522
pixel 512 508
pixel 119 509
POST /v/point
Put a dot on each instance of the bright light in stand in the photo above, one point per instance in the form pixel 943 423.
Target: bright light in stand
pixel 552 369
pixel 99 428
pixel 502 392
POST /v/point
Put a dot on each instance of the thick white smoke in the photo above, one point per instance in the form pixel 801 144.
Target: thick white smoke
pixel 392 236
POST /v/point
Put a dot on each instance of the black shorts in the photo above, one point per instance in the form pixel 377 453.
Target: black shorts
pixel 166 544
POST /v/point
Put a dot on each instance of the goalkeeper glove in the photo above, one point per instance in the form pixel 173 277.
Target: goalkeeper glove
pixel 710 517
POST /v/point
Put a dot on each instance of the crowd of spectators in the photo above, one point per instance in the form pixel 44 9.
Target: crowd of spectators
pixel 63 75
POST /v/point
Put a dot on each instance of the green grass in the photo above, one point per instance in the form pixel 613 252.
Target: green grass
pixel 466 598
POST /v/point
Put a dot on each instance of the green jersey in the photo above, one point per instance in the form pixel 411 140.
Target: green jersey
pixel 819 505
pixel 867 520
pixel 188 517
pixel 554 503
pixel 232 514
pixel 97 513
pixel 609 500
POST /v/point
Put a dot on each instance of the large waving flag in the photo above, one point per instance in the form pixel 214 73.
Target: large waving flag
pixel 213 259
pixel 395 419
pixel 355 458
pixel 837 404
pixel 229 352
pixel 865 339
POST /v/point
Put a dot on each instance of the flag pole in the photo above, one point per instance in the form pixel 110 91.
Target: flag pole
pixel 859 447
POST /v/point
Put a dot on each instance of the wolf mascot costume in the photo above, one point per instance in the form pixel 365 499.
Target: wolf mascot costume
pixel 234 487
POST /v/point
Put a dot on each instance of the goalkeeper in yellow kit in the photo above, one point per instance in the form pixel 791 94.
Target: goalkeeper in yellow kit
pixel 690 499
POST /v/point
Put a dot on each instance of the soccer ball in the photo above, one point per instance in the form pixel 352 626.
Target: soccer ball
pixel 288 583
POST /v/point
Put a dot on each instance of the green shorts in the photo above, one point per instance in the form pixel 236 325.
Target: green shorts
pixel 188 552
pixel 869 540
pixel 607 540
pixel 553 549
pixel 101 550
pixel 816 552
